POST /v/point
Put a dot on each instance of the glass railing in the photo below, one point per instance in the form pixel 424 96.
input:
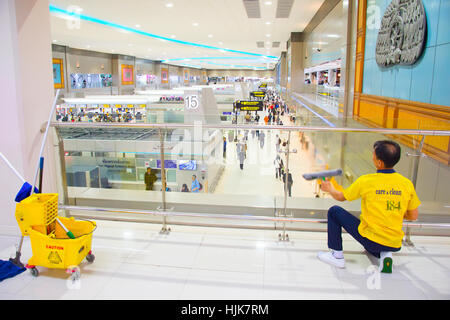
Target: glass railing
pixel 176 173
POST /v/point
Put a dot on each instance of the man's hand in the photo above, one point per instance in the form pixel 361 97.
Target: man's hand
pixel 327 186
pixel 411 215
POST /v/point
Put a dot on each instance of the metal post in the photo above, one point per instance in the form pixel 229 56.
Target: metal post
pixel 62 163
pixel 416 156
pixel 284 236
pixel 164 228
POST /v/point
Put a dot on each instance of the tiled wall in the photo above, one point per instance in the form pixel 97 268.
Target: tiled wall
pixel 425 81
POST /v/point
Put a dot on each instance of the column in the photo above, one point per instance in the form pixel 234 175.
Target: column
pixel 27 95
pixel 295 62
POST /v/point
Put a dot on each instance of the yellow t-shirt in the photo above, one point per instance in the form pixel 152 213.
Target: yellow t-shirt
pixel 385 198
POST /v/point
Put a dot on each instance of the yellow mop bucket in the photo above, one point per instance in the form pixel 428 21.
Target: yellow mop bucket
pixel 37 217
pixel 57 250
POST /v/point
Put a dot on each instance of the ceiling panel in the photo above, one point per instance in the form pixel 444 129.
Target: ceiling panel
pixel 203 27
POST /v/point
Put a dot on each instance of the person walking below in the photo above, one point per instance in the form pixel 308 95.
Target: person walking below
pixel 195 186
pixel 289 181
pixel 240 151
pixel 149 179
pixel 278 143
pixel 224 147
pixel 262 135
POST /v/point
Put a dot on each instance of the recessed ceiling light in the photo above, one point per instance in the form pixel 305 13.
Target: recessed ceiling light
pixel 210 35
pixel 220 42
pixel 333 36
pixel 172 36
pixel 268 35
pixel 268 3
pixel 79 9
pixel 137 25
pixel 195 24
pixel 169 5
pixel 88 46
pixel 268 22
pixel 55 41
pixel 149 49
pixel 130 44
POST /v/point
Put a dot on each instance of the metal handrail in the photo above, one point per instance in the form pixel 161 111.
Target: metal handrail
pixel 233 217
pixel 250 127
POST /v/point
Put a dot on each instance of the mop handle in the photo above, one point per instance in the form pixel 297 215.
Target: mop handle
pixel 68 232
pixel 12 168
pixel 45 139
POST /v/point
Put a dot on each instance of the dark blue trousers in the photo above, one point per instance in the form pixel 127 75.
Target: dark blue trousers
pixel 339 218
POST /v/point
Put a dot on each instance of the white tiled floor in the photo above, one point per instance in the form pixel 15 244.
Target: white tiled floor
pixel 135 261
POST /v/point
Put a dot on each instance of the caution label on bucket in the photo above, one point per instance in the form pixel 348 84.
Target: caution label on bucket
pixel 54 257
pixel 54 247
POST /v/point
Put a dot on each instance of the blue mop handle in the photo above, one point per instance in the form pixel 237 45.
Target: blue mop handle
pixel 41 173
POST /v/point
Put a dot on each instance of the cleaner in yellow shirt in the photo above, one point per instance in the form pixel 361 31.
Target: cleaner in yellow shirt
pixel 386 199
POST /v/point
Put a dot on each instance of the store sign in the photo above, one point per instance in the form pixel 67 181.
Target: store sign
pixel 191 102
pixel 402 35
pixel 258 94
pixel 249 105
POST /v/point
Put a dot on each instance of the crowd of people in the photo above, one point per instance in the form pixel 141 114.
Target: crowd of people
pixel 274 108
pixel 98 117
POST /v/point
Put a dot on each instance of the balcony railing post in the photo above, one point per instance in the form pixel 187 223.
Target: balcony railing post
pixel 164 228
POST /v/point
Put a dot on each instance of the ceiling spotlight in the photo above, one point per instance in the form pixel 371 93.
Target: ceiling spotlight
pixel 137 25
pixel 220 42
pixel 210 35
pixel 55 41
pixel 268 35
pixel 195 24
pixel 268 3
pixel 268 22
pixel 172 36
pixel 169 5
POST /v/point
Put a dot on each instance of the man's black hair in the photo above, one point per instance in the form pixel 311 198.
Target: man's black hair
pixel 387 151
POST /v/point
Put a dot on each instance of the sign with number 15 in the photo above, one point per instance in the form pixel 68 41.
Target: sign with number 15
pixel 191 102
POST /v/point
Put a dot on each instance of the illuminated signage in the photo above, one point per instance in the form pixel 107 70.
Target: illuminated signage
pixel 258 94
pixel 249 105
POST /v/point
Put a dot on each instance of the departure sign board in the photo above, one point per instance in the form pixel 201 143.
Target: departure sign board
pixel 258 94
pixel 249 105
pixel 263 85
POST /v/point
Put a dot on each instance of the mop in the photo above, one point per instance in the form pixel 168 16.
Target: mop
pixel 13 267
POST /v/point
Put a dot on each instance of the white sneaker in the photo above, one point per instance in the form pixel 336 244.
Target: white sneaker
pixel 329 258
